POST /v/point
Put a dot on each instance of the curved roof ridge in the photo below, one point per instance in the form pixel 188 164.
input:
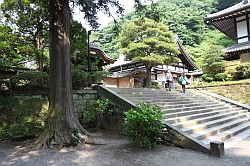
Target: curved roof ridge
pixel 245 4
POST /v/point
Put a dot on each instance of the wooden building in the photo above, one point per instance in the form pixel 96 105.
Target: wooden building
pixel 128 74
pixel 97 52
pixel 235 23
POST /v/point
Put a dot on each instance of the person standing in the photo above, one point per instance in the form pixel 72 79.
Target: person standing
pixel 169 80
pixel 183 81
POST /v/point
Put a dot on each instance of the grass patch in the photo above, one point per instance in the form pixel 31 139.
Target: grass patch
pixel 218 83
pixel 235 90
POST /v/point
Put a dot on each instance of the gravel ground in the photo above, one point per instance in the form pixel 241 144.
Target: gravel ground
pixel 118 151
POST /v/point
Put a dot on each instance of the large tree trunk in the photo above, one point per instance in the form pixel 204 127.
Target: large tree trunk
pixel 62 121
pixel 148 78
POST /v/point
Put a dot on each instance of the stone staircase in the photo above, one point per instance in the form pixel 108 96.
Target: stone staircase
pixel 202 117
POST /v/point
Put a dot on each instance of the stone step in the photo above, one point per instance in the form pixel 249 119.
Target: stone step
pixel 193 112
pixel 164 105
pixel 220 128
pixel 231 142
pixel 230 133
pixel 172 102
pixel 206 125
pixel 196 116
pixel 172 93
pixel 187 108
pixel 209 118
pixel 160 96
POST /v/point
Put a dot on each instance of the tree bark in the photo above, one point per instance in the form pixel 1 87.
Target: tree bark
pixel 62 120
pixel 148 78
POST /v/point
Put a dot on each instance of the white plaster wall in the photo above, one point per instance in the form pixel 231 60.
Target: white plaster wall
pixel 240 18
pixel 242 29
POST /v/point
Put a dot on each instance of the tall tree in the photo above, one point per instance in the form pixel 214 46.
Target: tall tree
pixel 29 19
pixel 63 125
pixel 223 4
pixel 149 42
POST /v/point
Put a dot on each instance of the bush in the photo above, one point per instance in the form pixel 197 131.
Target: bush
pixel 220 77
pixel 80 79
pixel 242 72
pixel 143 124
pixel 22 117
pixel 29 80
pixel 207 77
pixel 94 113
pixel 99 76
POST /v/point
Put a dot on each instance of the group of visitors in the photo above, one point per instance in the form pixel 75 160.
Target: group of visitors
pixel 182 80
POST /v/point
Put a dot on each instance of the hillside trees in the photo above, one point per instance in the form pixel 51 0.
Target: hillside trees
pixel 184 18
pixel 11 52
pixel 29 21
pixel 149 42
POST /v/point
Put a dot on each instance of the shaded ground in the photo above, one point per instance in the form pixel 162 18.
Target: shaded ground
pixel 118 152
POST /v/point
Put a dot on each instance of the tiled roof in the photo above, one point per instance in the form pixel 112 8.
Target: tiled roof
pixel 238 47
pixel 101 53
pixel 233 10
pixel 225 20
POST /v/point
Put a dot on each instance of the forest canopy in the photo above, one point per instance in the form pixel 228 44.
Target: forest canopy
pixel 184 17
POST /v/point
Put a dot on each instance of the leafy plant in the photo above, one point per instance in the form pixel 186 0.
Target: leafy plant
pixel 143 124
pixel 220 77
pixel 80 78
pixel 95 112
pixel 29 80
pixel 242 72
pixel 22 117
pixel 207 77
pixel 99 76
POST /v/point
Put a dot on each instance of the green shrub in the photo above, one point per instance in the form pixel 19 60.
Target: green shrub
pixel 29 80
pixel 94 113
pixel 207 77
pixel 242 71
pixel 22 117
pixel 155 85
pixel 80 79
pixel 143 124
pixel 220 77
pixel 99 76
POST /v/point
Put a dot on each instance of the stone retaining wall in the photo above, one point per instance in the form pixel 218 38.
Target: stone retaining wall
pixel 80 98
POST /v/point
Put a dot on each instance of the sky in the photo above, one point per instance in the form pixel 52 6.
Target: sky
pixel 104 20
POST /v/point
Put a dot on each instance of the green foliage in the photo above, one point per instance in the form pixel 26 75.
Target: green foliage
pixel 149 42
pixel 188 23
pixel 220 77
pixel 32 34
pixel 208 77
pixel 22 117
pixel 223 4
pixel 212 60
pixel 242 71
pixel 11 52
pixel 143 124
pixel 78 43
pixel 29 80
pixel 80 78
pixel 99 76
pixel 214 77
pixel 94 113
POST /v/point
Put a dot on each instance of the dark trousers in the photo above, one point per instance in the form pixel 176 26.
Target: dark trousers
pixel 183 88
pixel 168 84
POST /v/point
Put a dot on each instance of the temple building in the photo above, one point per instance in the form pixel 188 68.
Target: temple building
pixel 129 74
pixel 235 23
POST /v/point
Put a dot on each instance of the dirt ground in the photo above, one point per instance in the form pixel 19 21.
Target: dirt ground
pixel 119 151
